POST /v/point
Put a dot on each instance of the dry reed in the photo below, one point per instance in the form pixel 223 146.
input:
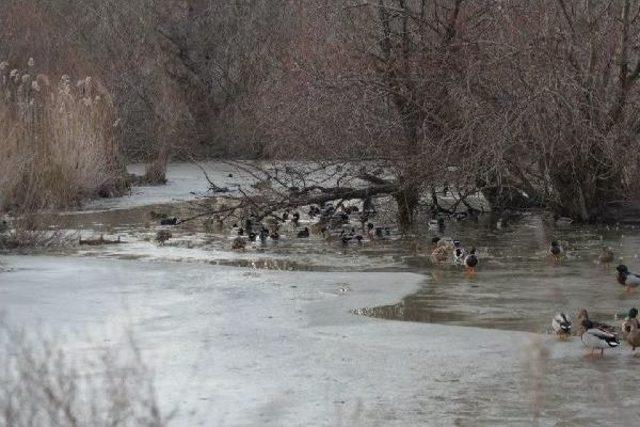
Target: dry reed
pixel 57 146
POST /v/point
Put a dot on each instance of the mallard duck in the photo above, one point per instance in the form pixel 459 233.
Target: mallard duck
pixel 597 338
pixel 458 252
pixel 631 329
pixel 169 221
pixel 561 325
pixel 556 250
pixel 443 248
pixel 436 224
pixel 606 256
pixel 274 235
pixel 239 244
pixel 625 278
pixel 631 316
pixel 295 218
pixel 162 236
pixel 582 319
pixel 304 233
pixel 471 260
pixel 264 234
pixel 562 221
pixel 595 335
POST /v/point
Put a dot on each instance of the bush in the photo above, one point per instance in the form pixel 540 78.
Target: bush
pixel 58 145
pixel 43 385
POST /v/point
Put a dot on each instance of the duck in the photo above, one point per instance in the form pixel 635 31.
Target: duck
pixel 379 233
pixel 471 260
pixel 239 244
pixel 350 236
pixel 162 236
pixel 606 256
pixel 631 329
pixel 556 250
pixel 295 218
pixel 264 234
pixel 625 278
pixel 441 250
pixel 436 224
pixel 169 221
pixel 595 337
pixel 274 235
pixel 304 233
pixel 562 221
pixel 458 252
pixel 285 216
pixel 561 325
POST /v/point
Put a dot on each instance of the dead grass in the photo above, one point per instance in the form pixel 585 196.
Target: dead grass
pixel 57 139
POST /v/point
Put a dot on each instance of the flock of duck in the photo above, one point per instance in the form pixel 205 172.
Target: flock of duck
pixel 598 335
pixel 332 224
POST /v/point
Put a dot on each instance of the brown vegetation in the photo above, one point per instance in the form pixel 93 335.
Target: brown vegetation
pixel 57 141
pixel 532 103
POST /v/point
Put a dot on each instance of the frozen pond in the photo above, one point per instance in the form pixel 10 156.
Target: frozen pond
pixel 269 336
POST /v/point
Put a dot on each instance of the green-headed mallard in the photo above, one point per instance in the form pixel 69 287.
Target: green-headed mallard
pixel 596 335
pixel 625 278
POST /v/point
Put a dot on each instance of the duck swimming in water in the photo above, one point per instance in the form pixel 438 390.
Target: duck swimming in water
pixel 304 233
pixel 606 256
pixel 625 278
pixel 458 252
pixel 631 329
pixel 471 260
pixel 561 325
pixel 556 250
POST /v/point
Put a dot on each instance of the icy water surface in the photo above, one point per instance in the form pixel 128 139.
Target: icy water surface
pixel 269 336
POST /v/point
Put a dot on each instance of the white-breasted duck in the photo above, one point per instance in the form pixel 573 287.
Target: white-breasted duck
pixel 561 325
pixel 626 278
pixel 458 252
pixel 596 335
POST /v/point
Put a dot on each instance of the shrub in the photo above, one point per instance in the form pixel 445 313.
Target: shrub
pixel 42 384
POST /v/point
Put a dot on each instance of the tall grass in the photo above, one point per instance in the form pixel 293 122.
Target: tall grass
pixel 57 144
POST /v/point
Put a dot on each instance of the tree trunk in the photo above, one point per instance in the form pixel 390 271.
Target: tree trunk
pixel 407 199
